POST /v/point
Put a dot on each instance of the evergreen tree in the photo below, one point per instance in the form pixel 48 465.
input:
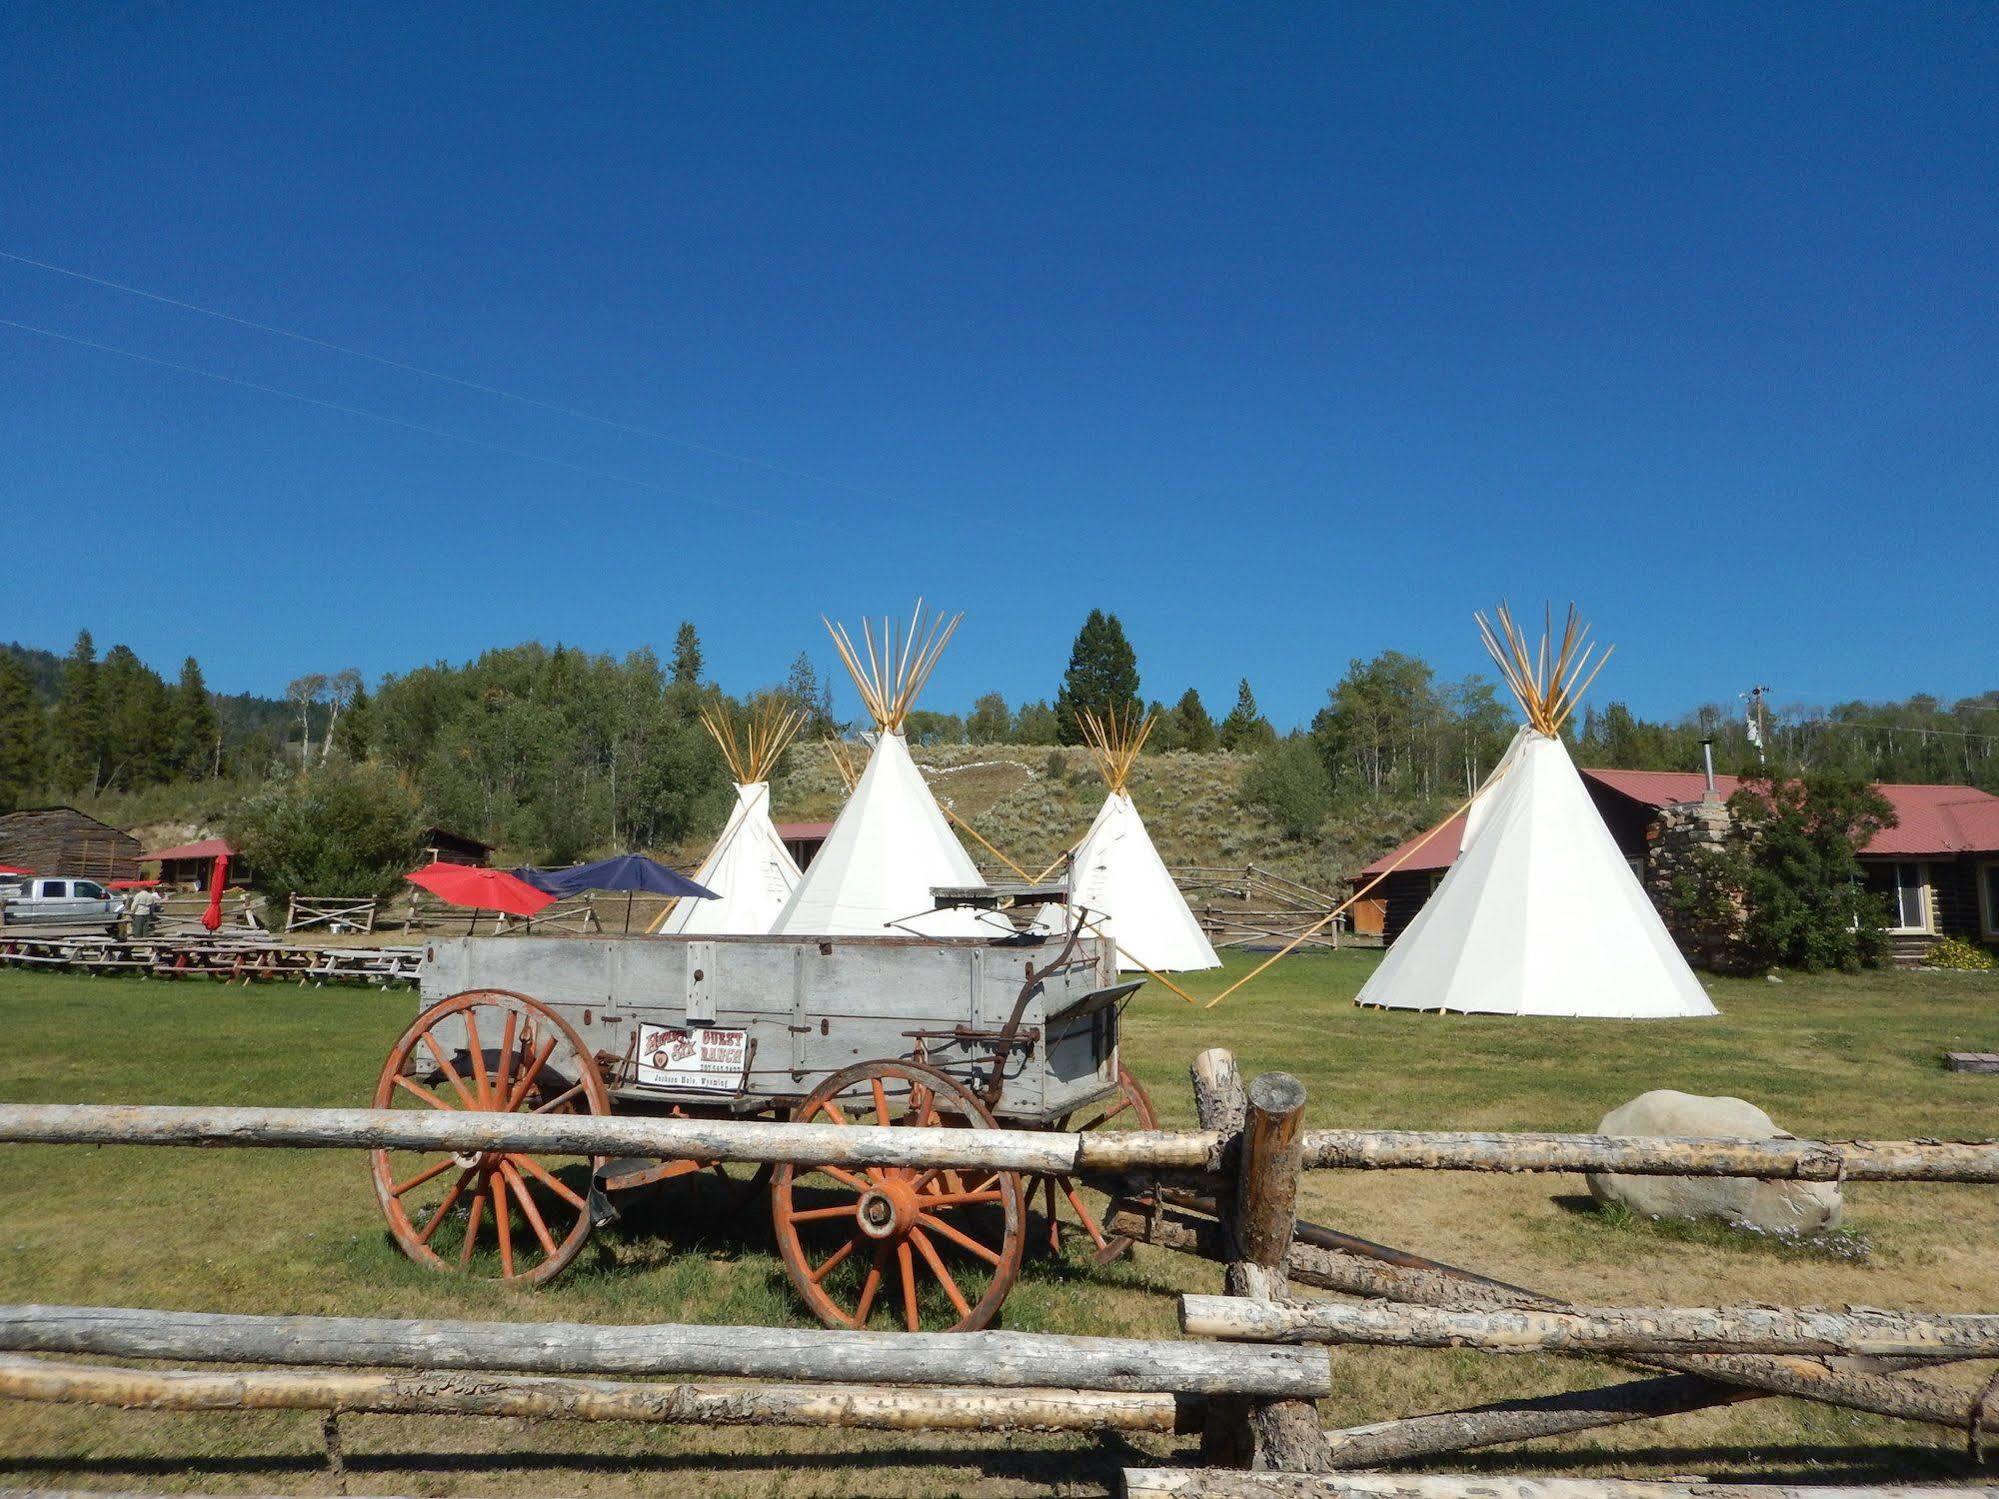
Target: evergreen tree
pixel 1197 730
pixel 1245 728
pixel 79 719
pixel 1165 732
pixel 1806 904
pixel 1102 676
pixel 23 737
pixel 804 686
pixel 354 730
pixel 196 729
pixel 687 659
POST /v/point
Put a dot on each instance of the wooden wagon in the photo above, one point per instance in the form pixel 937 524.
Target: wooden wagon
pixel 1018 1030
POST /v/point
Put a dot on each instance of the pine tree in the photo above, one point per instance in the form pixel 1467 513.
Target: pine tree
pixel 138 721
pixel 196 728
pixel 1245 728
pixel 79 719
pixel 354 732
pixel 23 736
pixel 1197 729
pixel 687 659
pixel 1102 676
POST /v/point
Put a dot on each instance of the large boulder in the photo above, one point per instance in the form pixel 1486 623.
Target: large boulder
pixel 1786 1207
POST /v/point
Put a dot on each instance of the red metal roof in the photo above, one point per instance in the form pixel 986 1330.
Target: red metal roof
pixel 207 848
pixel 802 832
pixel 1930 819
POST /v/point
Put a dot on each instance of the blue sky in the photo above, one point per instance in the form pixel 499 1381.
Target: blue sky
pixel 1289 334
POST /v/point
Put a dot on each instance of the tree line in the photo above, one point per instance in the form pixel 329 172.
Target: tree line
pixel 559 752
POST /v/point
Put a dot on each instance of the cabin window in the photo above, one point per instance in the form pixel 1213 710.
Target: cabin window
pixel 1907 894
pixel 1989 887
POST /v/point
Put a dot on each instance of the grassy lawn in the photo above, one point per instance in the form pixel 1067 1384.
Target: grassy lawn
pixel 298 1231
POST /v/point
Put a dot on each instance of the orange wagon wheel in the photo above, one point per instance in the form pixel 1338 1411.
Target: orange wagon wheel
pixel 1128 1108
pixel 913 1249
pixel 505 1215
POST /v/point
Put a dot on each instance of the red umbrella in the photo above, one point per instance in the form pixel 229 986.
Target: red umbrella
pixel 481 889
pixel 217 878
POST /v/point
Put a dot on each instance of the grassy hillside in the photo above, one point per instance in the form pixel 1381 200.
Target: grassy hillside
pixel 1033 802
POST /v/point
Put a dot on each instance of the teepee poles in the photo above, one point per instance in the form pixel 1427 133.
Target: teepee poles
pixel 754 741
pixel 889 679
pixel 1548 691
pixel 1115 741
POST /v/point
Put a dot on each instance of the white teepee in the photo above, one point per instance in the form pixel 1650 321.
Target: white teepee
pixel 1115 871
pixel 750 870
pixel 1540 914
pixel 890 845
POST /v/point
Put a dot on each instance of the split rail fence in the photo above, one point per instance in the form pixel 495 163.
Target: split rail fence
pixel 1249 906
pixel 1247 1378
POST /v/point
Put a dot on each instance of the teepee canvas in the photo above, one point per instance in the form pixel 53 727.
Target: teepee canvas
pixel 890 845
pixel 750 870
pixel 1116 872
pixel 1540 915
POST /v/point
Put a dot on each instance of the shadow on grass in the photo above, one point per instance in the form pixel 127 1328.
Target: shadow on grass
pixel 1843 1244
pixel 1794 1463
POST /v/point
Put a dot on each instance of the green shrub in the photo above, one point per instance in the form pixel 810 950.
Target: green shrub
pixel 1288 781
pixel 1956 952
pixel 340 830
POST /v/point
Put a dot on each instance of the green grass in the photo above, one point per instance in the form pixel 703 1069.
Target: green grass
pixel 298 1231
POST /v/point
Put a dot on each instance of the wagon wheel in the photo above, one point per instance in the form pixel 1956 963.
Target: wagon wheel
pixel 489 1051
pixel 1129 1108
pixel 928 1249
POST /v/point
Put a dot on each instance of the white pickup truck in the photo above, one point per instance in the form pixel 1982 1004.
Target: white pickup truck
pixel 59 900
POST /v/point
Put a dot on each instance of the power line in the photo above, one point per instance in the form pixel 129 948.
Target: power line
pixel 500 392
pixel 392 421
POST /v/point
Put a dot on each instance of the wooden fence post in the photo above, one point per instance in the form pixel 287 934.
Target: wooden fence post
pixel 1266 1121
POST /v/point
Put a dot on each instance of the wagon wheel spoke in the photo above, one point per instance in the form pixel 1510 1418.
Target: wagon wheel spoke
pixel 411 1085
pixel 881 1100
pixel 554 1183
pixel 962 1199
pixel 834 1260
pixel 869 1286
pixel 1090 1223
pixel 450 1201
pixel 845 1177
pixel 929 1252
pixel 568 1095
pixel 905 1264
pixel 528 1209
pixel 1129 1108
pixel 478 1051
pixel 503 1229
pixel 503 1085
pixel 813 1215
pixel 402 1188
pixel 472 1229
pixel 450 1072
pixel 964 1241
pixel 533 1071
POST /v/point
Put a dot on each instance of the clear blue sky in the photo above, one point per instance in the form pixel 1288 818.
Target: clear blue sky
pixel 1289 334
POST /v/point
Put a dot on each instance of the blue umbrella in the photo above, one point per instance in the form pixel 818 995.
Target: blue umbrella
pixel 631 873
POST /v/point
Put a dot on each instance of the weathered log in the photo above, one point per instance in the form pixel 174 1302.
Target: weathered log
pixel 1008 1150
pixel 873 1407
pixel 1617 1330
pixel 1219 1101
pixel 1220 1104
pixel 1008 1360
pixel 1285 1434
pixel 585 1134
pixel 1194 1483
pixel 1800 1160
pixel 1726 1377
